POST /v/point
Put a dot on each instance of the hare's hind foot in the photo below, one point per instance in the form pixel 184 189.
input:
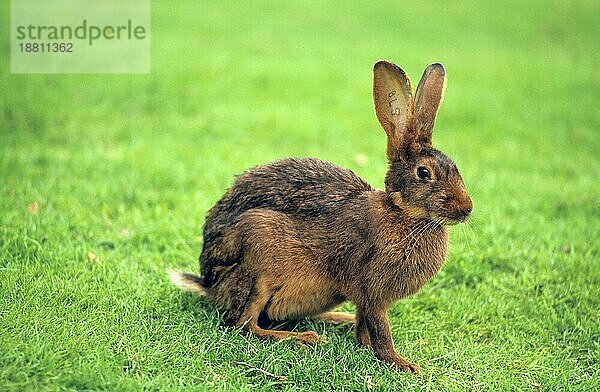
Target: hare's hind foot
pixel 307 337
pixel 250 313
pixel 335 318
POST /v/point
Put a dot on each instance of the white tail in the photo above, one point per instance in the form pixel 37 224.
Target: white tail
pixel 187 282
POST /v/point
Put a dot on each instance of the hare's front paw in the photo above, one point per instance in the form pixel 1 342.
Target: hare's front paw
pixel 407 366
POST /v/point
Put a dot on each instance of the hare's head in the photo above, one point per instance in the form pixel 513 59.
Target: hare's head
pixel 421 180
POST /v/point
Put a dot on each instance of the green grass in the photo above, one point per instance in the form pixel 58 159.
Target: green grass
pixel 125 167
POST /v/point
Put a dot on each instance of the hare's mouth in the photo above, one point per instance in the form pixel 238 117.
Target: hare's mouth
pixel 454 218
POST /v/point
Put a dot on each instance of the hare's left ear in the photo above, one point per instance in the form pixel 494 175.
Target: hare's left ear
pixel 430 93
pixel 393 98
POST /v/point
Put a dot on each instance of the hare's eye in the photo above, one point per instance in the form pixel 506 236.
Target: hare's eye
pixel 423 173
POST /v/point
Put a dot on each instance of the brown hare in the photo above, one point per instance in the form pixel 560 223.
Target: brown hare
pixel 297 237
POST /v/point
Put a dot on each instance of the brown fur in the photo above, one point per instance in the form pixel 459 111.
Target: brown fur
pixel 299 236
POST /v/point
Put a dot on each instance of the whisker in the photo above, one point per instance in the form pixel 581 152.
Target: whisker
pixel 409 234
pixel 471 232
pixel 419 234
pixel 466 236
pixel 423 229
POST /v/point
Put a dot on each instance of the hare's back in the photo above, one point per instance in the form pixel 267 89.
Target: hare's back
pixel 294 185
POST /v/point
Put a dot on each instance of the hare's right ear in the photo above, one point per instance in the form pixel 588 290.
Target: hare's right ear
pixel 393 96
pixel 430 93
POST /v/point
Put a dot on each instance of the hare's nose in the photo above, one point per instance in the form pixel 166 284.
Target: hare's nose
pixel 466 208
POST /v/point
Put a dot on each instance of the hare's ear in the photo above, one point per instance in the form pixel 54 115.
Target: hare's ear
pixel 393 96
pixel 430 93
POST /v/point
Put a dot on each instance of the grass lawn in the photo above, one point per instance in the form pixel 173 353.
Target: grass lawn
pixel 105 181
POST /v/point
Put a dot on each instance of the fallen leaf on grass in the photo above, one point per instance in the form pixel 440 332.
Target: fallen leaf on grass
pixel 92 257
pixel 33 208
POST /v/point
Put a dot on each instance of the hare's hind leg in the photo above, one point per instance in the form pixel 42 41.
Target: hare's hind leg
pixel 255 305
pixel 261 233
pixel 335 318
